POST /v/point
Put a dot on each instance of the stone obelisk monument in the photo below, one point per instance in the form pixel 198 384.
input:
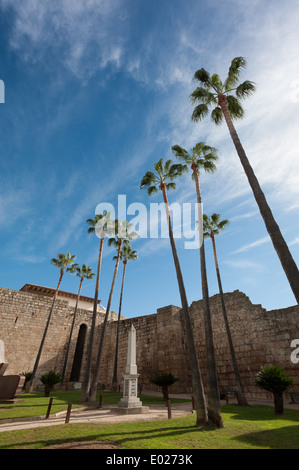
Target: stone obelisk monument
pixel 130 403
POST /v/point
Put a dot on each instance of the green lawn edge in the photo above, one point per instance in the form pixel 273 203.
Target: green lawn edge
pixel 254 427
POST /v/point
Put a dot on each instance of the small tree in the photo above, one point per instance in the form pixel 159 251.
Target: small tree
pixel 274 380
pixel 49 379
pixel 164 381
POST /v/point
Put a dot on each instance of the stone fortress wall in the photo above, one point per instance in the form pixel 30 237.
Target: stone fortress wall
pixel 260 337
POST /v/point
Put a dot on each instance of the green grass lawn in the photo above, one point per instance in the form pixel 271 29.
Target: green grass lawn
pixel 36 404
pixel 254 427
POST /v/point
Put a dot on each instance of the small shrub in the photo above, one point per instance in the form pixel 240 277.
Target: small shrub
pixel 49 379
pixel 164 381
pixel 274 380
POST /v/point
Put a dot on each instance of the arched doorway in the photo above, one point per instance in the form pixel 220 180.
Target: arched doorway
pixel 76 368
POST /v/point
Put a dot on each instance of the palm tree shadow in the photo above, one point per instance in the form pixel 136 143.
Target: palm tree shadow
pixel 121 437
pixel 259 413
pixel 281 438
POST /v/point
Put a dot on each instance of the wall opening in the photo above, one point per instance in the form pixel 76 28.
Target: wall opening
pixel 77 362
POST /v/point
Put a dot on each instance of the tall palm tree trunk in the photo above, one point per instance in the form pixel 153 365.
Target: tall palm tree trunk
pixel 198 390
pixel 71 333
pixel 87 377
pixel 94 382
pixel 214 411
pixel 114 379
pixel 240 396
pixel 282 250
pixel 45 334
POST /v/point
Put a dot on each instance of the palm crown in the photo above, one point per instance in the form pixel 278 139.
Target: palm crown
pixel 82 272
pixel 101 225
pixel 63 261
pixel 201 156
pixel 213 224
pixel 212 88
pixel 163 173
pixel 123 233
pixel 127 254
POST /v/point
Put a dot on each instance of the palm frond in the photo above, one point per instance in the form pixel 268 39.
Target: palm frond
pixel 158 166
pixel 127 253
pixel 202 95
pixel 200 112
pixel 217 115
pixel 217 83
pixel 148 179
pixel 152 190
pixel 207 165
pixel 216 223
pixel 73 269
pixel 104 226
pixel 235 108
pixel 170 186
pixel 237 64
pixel 215 219
pixel 245 89
pixel 199 148
pixel 113 241
pixel 203 77
pixel 167 167
pixel 223 224
pixel 204 151
pixel 177 169
pixel 99 223
pixel 62 261
pixel 181 153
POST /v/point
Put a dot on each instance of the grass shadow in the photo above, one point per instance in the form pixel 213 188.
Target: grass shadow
pixel 121 435
pixel 258 413
pixel 280 438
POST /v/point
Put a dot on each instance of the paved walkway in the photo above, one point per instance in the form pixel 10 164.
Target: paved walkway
pixel 110 414
pixel 106 414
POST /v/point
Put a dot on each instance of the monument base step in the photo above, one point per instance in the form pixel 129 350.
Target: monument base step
pixel 132 411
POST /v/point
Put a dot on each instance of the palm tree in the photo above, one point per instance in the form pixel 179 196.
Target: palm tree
pixel 85 272
pixel 122 236
pixel 275 380
pixel 212 226
pixel 101 225
pixel 126 254
pixel 62 262
pixel 203 157
pixel 164 381
pixel 213 92
pixel 162 179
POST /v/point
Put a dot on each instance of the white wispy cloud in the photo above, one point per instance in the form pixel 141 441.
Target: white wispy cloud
pixel 260 241
pixel 31 259
pixel 294 242
pixel 244 264
pixel 245 215
pixel 81 31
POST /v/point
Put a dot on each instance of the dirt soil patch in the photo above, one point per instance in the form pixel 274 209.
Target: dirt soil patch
pixel 84 445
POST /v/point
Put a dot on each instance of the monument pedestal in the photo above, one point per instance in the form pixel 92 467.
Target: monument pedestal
pixel 133 411
pixel 130 403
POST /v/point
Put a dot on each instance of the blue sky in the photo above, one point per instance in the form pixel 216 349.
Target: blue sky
pixel 97 91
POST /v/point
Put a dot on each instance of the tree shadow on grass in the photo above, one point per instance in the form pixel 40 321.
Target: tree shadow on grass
pixel 120 437
pixel 280 438
pixel 259 413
